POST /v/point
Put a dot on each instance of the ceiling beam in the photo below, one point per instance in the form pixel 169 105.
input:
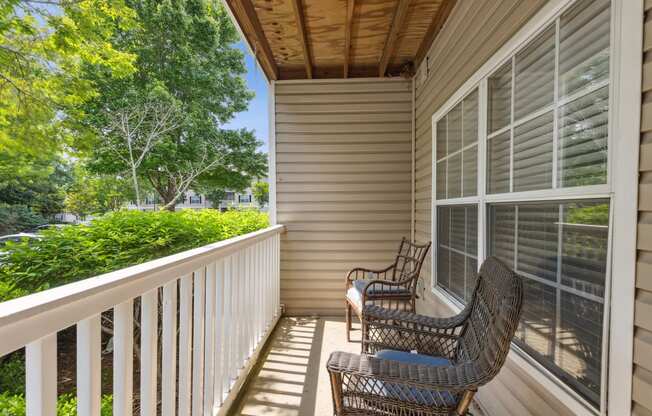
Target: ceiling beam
pixel 301 26
pixel 350 5
pixel 437 23
pixel 390 43
pixel 245 13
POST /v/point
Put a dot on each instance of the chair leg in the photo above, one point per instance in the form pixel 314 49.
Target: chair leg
pixel 348 322
pixel 465 403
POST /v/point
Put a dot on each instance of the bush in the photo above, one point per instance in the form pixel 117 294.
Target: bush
pixel 12 374
pixel 14 405
pixel 115 241
pixel 17 218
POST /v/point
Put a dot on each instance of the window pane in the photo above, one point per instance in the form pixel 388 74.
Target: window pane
pixel 441 138
pixel 498 163
pixel 563 308
pixel 538 231
pixel 501 232
pixel 534 77
pixel 457 242
pixel 533 154
pixel 454 177
pixel 584 45
pixel 585 231
pixel 583 132
pixel 500 98
pixel 470 119
pixel 470 171
pixel 441 180
pixel 455 129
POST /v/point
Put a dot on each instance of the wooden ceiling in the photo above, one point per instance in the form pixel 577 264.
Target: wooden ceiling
pixel 300 39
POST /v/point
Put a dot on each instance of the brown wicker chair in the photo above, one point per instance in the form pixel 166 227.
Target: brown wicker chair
pixel 455 355
pixel 394 286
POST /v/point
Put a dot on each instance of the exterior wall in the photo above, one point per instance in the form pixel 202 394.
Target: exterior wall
pixel 474 32
pixel 343 183
pixel 642 381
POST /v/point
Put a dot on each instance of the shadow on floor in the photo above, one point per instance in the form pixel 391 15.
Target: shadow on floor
pixel 291 378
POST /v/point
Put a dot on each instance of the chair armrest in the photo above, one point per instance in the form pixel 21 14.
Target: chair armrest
pixel 362 273
pixel 406 331
pixel 455 378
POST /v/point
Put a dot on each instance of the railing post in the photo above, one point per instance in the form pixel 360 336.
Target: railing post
pixel 185 344
pixel 169 342
pixel 123 358
pixel 41 376
pixel 228 324
pixel 89 368
pixel 148 352
pixel 199 283
pixel 209 339
pixel 219 344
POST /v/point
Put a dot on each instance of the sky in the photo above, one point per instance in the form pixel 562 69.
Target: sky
pixel 256 116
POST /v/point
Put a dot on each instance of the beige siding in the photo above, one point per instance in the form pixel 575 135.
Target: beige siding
pixel 343 166
pixel 475 31
pixel 642 382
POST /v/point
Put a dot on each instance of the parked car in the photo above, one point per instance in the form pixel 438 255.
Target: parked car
pixel 16 238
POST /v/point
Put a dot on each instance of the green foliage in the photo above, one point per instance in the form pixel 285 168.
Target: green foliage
pixel 12 374
pixel 14 405
pixel 115 241
pixel 260 191
pixel 45 47
pixel 591 214
pixel 18 218
pixel 215 195
pixel 95 194
pixel 194 61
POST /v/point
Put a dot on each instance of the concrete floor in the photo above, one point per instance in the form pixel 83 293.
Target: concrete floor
pixel 291 378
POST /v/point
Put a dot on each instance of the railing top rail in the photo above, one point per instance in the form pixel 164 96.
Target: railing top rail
pixel 31 317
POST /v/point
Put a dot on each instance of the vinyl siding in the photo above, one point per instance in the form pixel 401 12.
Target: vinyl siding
pixel 343 168
pixel 642 377
pixel 473 33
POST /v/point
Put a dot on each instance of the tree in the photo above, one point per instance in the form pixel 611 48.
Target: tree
pixel 93 194
pixel 261 192
pixel 194 61
pixel 44 46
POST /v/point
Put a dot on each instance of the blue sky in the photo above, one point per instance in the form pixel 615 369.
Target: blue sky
pixel 255 117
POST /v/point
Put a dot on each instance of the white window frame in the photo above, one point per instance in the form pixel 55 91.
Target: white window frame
pixel 624 123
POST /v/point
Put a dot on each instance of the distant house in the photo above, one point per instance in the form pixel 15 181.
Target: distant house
pixel 193 200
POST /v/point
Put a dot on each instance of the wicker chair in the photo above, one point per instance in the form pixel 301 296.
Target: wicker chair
pixel 455 355
pixel 394 286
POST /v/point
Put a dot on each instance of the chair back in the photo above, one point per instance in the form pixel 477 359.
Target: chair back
pixel 409 261
pixel 495 310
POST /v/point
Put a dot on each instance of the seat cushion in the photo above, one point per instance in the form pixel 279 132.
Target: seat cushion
pixel 421 396
pixel 354 294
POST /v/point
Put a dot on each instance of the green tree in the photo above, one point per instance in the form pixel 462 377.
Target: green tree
pixel 44 48
pixel 192 61
pixel 261 192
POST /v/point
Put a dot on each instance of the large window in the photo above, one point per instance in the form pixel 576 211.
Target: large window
pixel 530 164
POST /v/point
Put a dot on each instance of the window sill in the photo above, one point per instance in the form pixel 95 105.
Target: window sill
pixel 546 380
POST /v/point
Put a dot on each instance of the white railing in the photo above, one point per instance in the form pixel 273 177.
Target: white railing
pixel 219 303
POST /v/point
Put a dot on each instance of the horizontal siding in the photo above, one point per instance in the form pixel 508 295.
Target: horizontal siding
pixel 343 168
pixel 642 377
pixel 474 32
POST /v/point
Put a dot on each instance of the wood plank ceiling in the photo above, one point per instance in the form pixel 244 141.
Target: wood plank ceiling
pixel 302 39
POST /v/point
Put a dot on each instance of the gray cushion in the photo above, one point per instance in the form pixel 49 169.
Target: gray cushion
pixel 421 396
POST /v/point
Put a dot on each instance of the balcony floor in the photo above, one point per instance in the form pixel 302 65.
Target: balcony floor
pixel 291 377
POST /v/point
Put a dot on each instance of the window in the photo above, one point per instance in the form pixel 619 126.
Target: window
pixel 531 165
pixel 229 196
pixel 195 199
pixel 244 198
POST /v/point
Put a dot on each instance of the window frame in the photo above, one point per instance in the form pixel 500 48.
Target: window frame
pixel 624 113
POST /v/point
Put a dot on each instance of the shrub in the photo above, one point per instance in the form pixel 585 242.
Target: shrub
pixel 14 405
pixel 114 241
pixel 17 218
pixel 12 374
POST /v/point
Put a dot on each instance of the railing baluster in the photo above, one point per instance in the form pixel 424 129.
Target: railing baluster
pixel 123 358
pixel 219 344
pixel 148 352
pixel 185 344
pixel 89 368
pixel 237 312
pixel 242 350
pixel 41 376
pixel 228 325
pixel 259 292
pixel 199 283
pixel 169 367
pixel 209 339
pixel 249 298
